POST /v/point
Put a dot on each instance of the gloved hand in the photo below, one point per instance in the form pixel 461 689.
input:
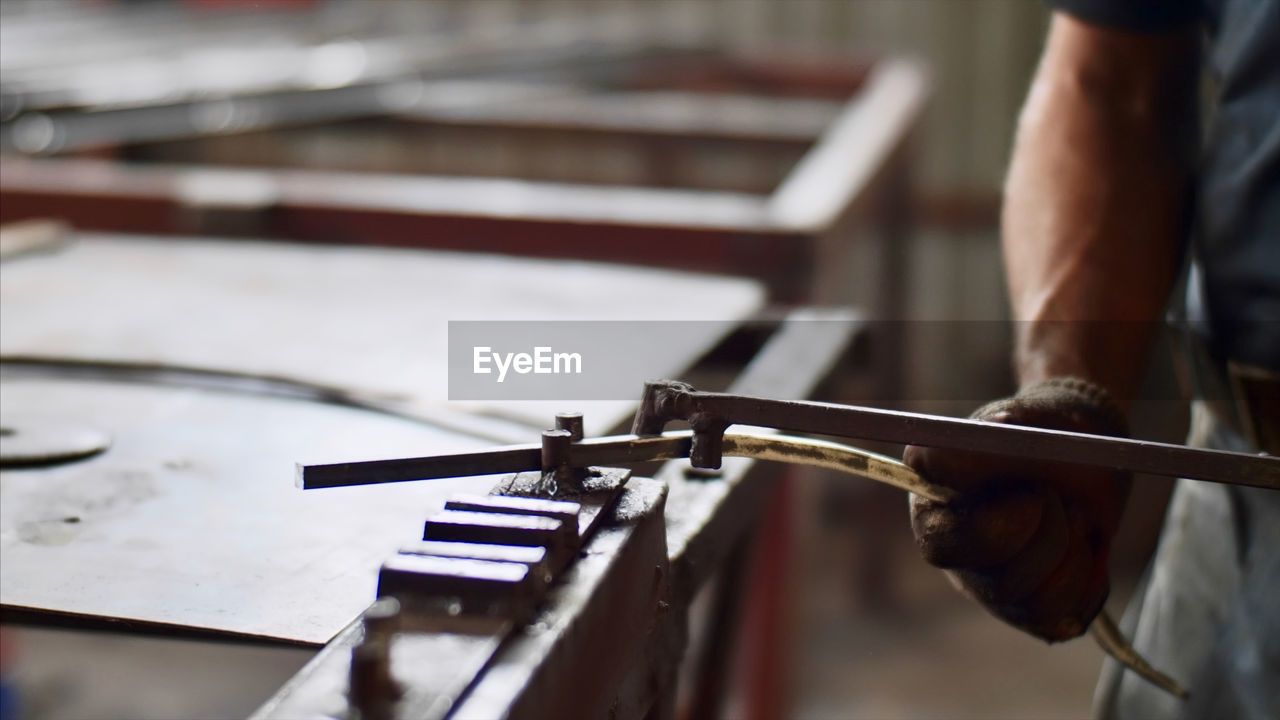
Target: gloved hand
pixel 1028 539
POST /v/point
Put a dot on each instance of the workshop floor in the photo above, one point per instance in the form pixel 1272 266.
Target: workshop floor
pixel 882 635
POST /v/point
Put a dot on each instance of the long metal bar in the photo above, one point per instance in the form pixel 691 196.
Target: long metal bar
pixel 610 450
pixel 671 401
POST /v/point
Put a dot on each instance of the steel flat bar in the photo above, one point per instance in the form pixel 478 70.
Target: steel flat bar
pixel 513 458
pixel 611 450
pixel 1139 456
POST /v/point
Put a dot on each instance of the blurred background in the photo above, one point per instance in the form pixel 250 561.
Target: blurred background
pixel 836 151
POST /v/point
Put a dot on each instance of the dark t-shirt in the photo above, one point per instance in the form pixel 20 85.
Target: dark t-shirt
pixel 1237 215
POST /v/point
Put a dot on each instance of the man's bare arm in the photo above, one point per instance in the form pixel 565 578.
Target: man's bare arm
pixel 1094 217
pixel 1096 200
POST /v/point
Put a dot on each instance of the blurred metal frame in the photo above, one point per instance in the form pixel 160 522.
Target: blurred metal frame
pixel 794 239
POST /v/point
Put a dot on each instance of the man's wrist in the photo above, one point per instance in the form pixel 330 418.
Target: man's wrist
pixel 1101 353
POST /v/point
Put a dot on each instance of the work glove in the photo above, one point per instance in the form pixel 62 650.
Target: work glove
pixel 1028 539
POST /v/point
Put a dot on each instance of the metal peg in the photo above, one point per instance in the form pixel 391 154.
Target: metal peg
pixel 571 421
pixel 373 690
pixel 556 469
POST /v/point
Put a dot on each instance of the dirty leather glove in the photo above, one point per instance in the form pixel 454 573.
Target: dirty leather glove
pixel 1028 539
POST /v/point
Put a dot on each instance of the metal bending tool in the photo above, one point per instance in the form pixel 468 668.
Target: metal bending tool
pixel 677 444
pixel 563 455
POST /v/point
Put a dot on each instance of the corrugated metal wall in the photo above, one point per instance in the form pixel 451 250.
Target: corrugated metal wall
pixel 982 53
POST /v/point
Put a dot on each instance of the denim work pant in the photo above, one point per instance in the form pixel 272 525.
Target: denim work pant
pixel 1208 611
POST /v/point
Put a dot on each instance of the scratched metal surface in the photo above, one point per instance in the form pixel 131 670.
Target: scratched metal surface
pixel 191 518
pixel 368 319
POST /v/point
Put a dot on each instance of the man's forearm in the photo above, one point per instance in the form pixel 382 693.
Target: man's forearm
pixel 1096 200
